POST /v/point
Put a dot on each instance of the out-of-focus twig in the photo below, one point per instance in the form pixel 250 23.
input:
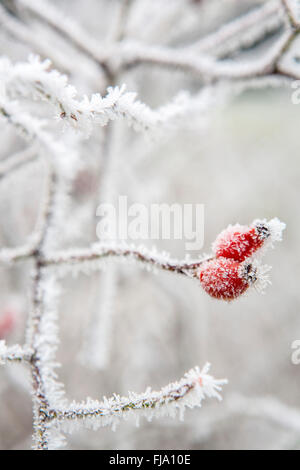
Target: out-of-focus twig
pixel 16 161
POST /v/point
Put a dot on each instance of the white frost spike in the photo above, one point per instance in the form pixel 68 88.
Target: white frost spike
pixel 262 276
pixel 13 353
pixel 276 228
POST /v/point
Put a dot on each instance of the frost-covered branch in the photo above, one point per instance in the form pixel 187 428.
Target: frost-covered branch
pixel 40 361
pixel 290 13
pixel 28 126
pixel 189 392
pixel 243 31
pixel 12 255
pixel 231 33
pixel 204 65
pixel 41 335
pixel 83 259
pixel 194 58
pixel 35 79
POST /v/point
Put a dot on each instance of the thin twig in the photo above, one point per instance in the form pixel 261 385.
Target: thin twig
pixel 218 40
pixel 69 30
pixel 290 14
pixel 100 252
pixel 17 161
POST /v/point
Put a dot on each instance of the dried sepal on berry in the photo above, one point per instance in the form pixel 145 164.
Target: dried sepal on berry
pixel 262 280
pixel 239 242
pixel 271 230
pixel 226 279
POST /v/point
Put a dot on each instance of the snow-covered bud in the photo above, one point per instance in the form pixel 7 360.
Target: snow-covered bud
pixel 239 242
pixel 226 279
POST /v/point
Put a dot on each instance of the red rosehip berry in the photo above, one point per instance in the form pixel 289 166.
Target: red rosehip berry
pixel 225 278
pixel 239 242
pixel 7 323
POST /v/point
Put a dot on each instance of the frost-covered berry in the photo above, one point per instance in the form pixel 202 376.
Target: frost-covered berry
pixel 239 242
pixel 226 279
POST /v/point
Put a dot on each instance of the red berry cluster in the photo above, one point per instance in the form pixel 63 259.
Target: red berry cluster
pixel 230 272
